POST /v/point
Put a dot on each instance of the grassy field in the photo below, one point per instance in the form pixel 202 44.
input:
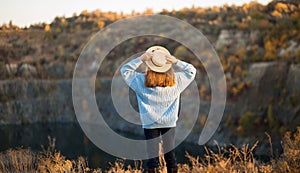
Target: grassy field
pixel 225 160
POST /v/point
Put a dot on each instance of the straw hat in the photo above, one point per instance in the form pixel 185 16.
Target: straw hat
pixel 158 62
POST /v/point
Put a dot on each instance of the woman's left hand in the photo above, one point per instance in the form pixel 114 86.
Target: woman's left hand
pixel 171 59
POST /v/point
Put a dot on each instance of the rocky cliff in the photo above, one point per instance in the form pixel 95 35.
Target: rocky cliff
pixel 271 102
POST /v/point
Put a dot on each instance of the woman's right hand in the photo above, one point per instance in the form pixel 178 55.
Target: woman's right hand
pixel 146 56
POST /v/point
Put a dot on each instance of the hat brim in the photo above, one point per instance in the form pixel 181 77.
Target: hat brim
pixel 155 68
pixel 158 48
pixel 152 66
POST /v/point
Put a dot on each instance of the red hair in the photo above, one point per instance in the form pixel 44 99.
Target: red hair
pixel 155 79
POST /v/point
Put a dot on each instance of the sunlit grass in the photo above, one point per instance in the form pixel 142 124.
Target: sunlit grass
pixel 224 160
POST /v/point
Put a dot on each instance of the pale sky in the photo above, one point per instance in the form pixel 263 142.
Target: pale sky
pixel 26 12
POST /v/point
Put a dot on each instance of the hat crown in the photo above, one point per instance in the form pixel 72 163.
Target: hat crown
pixel 158 61
pixel 159 58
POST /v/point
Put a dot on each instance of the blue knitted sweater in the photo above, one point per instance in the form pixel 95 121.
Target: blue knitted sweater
pixel 158 106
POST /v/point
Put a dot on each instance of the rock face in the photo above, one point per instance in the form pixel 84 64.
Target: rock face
pixel 274 93
pixel 272 99
pixel 291 50
pixel 27 71
pixel 272 83
pixel 267 83
pixel 293 80
pixel 293 92
pixel 234 39
pixel 33 101
pixel 12 69
pixel 56 70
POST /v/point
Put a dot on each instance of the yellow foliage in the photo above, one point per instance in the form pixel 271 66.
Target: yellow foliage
pixel 234 91
pixel 271 52
pixel 84 104
pixel 100 24
pixel 238 70
pixel 63 20
pixel 202 90
pixel 149 11
pixel 240 86
pixel 47 28
pixel 243 25
pixel 276 14
pixel 281 7
pixel 215 9
pixel 264 23
pixel 203 120
pixel 233 60
pixel 245 7
pixel 84 12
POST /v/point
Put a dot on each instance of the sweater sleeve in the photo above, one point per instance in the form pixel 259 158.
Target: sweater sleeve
pixel 186 74
pixel 129 74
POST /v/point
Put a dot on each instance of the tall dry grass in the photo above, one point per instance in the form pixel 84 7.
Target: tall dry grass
pixel 289 161
pixel 18 160
pixel 225 160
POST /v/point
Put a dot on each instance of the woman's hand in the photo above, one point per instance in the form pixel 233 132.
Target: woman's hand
pixel 171 59
pixel 146 56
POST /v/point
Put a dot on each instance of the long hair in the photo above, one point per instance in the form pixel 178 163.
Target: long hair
pixel 155 79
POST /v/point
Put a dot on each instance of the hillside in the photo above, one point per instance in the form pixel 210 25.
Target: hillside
pixel 240 34
pixel 259 47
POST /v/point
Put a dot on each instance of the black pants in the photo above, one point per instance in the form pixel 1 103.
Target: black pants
pixel 153 146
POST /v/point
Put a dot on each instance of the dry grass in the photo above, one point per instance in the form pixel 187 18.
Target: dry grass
pixel 19 160
pixel 233 160
pixel 290 159
pixel 119 167
pixel 225 160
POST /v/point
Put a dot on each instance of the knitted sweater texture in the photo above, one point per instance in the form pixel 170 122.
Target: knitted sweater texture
pixel 158 106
